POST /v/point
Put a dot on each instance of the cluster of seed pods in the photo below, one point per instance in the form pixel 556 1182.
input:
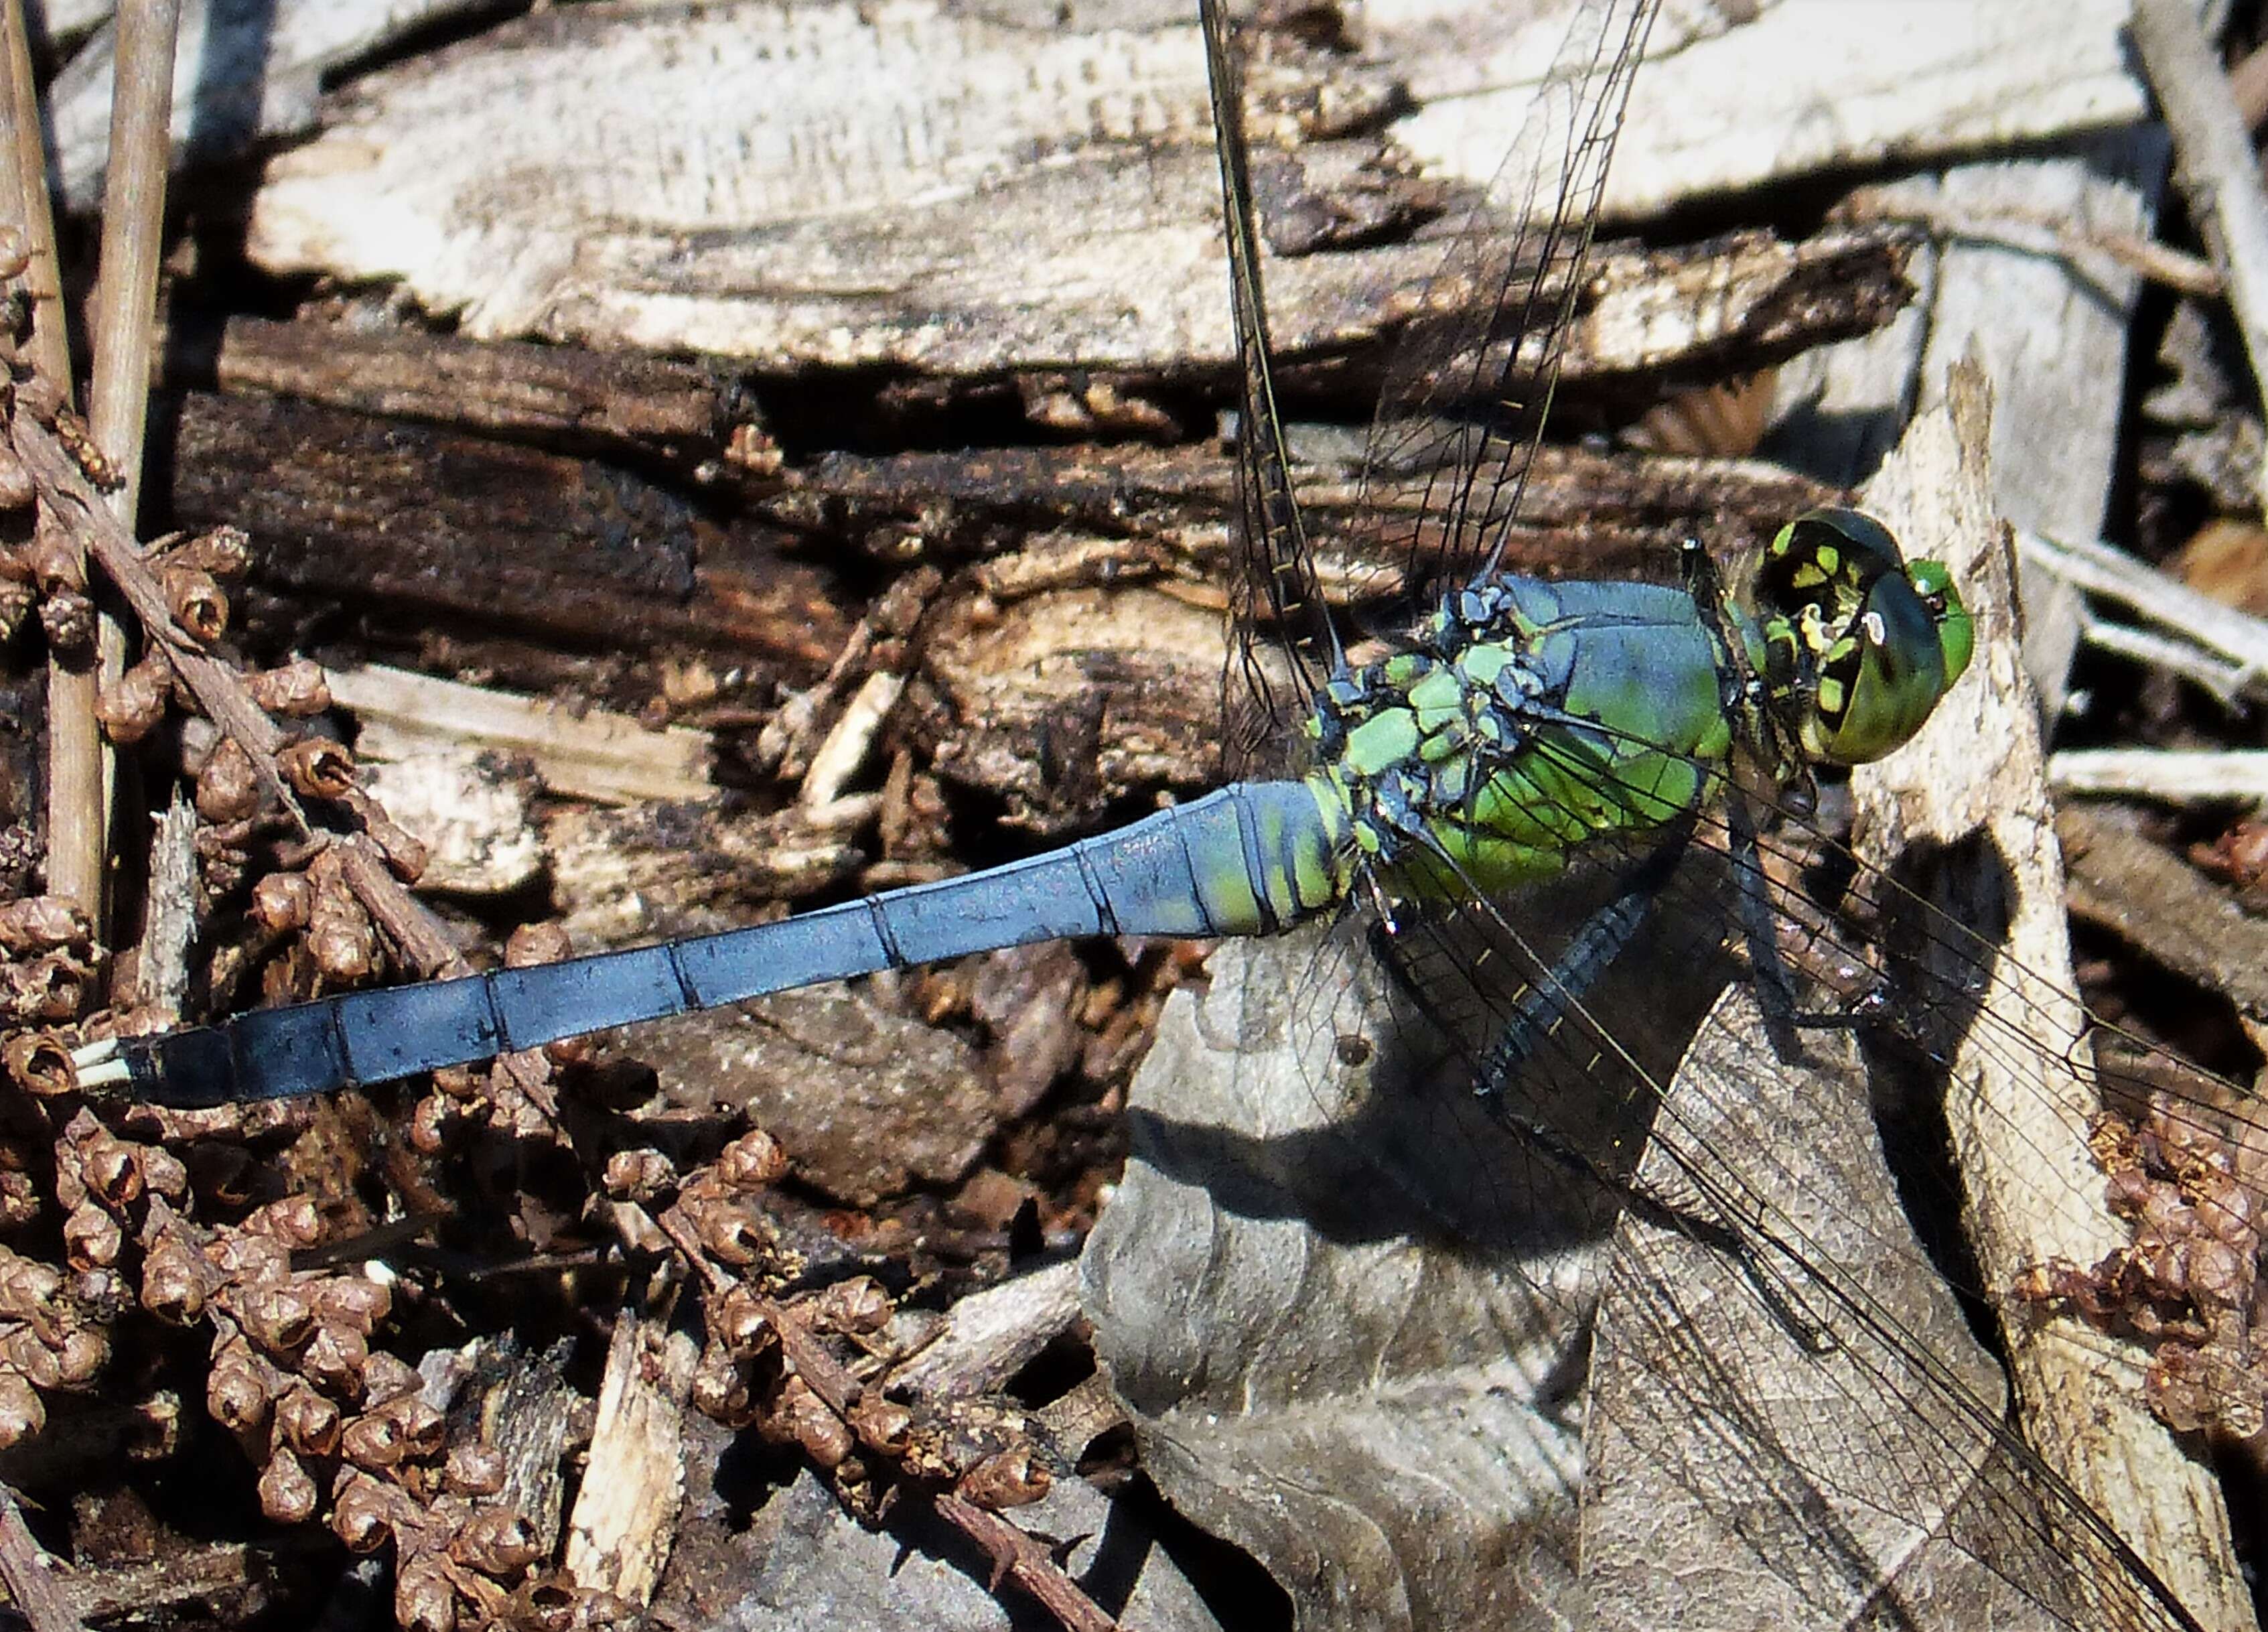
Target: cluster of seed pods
pixel 2189 1283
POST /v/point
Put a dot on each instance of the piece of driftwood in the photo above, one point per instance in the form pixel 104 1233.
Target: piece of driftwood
pixel 620 404
pixel 239 74
pixel 2020 1117
pixel 941 246
pixel 626 1510
pixel 2161 905
pixel 2173 776
pixel 590 754
pixel 378 514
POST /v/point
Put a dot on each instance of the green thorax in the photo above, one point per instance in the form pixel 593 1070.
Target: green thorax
pixel 1530 720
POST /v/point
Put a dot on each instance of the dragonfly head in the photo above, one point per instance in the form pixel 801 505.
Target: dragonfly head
pixel 1870 640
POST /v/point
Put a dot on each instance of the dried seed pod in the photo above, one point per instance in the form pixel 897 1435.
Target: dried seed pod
pixel 751 1160
pixel 641 1176
pixel 297 689
pixel 801 1417
pixel 228 788
pixel 1010 1478
pixel 163 1173
pixel 53 557
pixel 294 1221
pixel 404 1429
pixel 364 1513
pixel 495 1542
pixel 374 1440
pixel 16 603
pixel 224 551
pixel 21 1412
pixel 173 1284
pixel 39 1065
pixel 719 1390
pixel 98 1297
pixel 15 253
pixel 51 988
pixel 27 1288
pixel 19 1199
pixel 41 923
pixel 134 705
pixel 340 935
pixel 237 1391
pixel 85 1350
pixel 283 902
pixel 424 1599
pixel 196 602
pixel 856 1306
pixel 882 1424
pixel 279 1320
pixel 307 1422
pixel 741 1322
pixel 726 1233
pixel 67 619
pixel 355 1301
pixel 429 1120
pixel 41 1366
pixel 287 1495
pixel 110 1168
pixel 333 1359
pixel 317 767
pixel 92 1237
pixel 245 1254
pixel 474 1470
pixel 423 1427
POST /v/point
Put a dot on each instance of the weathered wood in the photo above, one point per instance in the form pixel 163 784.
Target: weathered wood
pixel 385 517
pixel 591 401
pixel 663 169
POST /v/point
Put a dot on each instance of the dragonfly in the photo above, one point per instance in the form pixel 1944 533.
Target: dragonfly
pixel 1497 817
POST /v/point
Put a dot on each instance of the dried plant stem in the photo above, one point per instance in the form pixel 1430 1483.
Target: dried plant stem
pixel 30 1576
pixel 75 838
pixel 2215 166
pixel 124 315
pixel 24 201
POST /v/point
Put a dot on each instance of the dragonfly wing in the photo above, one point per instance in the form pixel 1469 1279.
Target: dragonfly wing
pixel 1470 385
pixel 1276 584
pixel 1327 1369
pixel 1468 388
pixel 1737 1477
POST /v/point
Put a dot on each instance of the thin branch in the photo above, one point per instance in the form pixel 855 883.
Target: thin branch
pixel 2168 775
pixel 2111 574
pixel 29 1573
pixel 2219 175
pixel 75 757
pixel 23 202
pixel 124 315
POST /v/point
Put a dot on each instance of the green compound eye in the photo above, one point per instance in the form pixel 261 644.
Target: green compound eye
pixel 1885 639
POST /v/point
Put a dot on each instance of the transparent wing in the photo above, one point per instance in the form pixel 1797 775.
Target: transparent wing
pixel 1470 385
pixel 1276 584
pixel 1778 1359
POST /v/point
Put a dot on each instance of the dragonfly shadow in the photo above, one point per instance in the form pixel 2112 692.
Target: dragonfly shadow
pixel 1943 915
pixel 1349 1102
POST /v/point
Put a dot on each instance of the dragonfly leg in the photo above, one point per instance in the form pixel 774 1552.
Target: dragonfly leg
pixel 1595 945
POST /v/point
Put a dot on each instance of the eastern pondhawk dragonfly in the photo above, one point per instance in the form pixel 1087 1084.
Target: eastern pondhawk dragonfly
pixel 1538 784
